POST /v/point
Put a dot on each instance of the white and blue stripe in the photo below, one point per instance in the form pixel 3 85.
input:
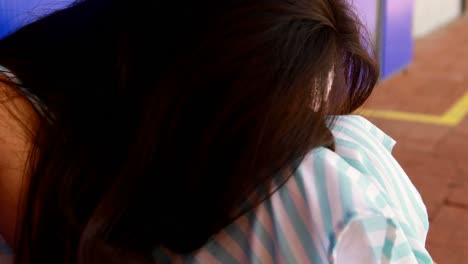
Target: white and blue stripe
pixel 354 205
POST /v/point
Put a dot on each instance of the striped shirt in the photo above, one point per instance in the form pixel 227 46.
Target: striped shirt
pixel 353 205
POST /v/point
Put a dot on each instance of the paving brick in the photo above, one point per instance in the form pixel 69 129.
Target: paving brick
pixel 450 229
pixel 427 173
pixel 454 146
pixel 444 255
pixel 459 195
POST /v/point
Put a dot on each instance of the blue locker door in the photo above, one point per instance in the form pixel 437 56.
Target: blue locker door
pixel 17 13
pixel 397 40
pixel 390 25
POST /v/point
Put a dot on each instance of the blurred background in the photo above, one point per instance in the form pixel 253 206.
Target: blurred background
pixel 421 100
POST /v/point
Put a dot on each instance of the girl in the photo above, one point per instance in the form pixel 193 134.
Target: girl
pixel 199 132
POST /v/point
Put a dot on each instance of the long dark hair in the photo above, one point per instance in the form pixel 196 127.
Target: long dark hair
pixel 158 119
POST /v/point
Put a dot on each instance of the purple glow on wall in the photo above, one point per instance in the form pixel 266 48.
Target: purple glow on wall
pixel 367 11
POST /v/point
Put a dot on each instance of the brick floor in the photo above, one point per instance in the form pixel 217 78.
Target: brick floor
pixel 449 235
pixel 435 157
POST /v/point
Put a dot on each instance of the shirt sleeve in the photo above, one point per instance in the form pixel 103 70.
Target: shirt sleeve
pixel 376 239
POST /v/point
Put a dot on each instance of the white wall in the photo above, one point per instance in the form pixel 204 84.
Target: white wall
pixel 430 15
